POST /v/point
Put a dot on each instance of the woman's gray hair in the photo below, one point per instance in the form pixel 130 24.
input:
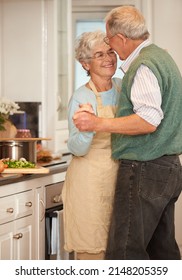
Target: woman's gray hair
pixel 85 43
pixel 128 21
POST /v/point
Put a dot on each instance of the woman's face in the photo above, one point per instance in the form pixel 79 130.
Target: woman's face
pixel 103 61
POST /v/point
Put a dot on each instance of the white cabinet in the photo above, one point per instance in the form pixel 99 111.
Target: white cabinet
pixel 22 217
pixel 16 240
pixel 21 49
pixel 16 226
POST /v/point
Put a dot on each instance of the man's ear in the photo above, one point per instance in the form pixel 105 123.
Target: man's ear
pixel 122 37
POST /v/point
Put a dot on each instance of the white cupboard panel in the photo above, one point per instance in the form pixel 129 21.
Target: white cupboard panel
pixel 23 238
pixel 6 242
pixel 21 33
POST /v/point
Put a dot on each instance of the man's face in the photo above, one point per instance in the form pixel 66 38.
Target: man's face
pixel 117 43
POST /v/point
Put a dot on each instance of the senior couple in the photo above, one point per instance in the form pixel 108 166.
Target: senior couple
pixel 125 175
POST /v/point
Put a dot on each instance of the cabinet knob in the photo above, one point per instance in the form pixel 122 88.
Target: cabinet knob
pixel 10 210
pixel 28 204
pixel 18 235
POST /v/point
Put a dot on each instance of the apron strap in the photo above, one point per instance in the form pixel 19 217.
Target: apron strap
pixel 98 95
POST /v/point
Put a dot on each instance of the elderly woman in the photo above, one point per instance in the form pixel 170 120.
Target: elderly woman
pixel 90 180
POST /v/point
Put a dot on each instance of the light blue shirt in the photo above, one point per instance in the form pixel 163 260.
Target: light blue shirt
pixel 79 142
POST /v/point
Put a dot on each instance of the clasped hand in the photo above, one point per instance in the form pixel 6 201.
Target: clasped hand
pixel 84 117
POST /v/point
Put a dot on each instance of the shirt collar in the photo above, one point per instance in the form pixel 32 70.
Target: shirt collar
pixel 126 63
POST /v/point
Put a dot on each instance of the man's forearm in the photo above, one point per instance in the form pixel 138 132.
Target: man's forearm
pixel 129 125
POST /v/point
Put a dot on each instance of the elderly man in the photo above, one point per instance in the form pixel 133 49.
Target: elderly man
pixel 146 139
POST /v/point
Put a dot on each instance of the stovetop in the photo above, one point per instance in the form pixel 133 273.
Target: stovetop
pixel 64 160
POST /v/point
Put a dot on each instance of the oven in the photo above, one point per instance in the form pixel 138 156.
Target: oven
pixel 54 228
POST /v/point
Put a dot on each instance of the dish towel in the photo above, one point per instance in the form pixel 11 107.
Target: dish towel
pixel 54 233
pixel 55 228
pixel 61 253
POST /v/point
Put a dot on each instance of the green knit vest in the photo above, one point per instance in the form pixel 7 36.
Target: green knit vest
pixel 167 139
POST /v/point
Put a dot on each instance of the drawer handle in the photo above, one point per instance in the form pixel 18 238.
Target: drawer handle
pixel 10 210
pixel 18 235
pixel 28 204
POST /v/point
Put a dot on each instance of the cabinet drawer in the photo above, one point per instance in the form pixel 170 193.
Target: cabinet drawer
pixel 7 209
pixel 16 206
pixel 24 204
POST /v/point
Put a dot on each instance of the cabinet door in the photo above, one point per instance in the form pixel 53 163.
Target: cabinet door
pixel 23 239
pixel 6 241
pixel 23 18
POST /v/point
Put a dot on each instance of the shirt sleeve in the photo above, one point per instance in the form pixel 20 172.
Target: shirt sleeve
pixel 146 96
pixel 78 142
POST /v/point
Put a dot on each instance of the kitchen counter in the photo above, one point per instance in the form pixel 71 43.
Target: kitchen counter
pixel 23 207
pixel 55 166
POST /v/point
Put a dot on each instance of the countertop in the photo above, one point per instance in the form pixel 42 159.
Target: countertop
pixel 55 166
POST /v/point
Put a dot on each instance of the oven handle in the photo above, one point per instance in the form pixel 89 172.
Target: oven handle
pixel 57 198
pixel 43 210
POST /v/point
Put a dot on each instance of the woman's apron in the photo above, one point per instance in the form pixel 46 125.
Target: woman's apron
pixel 88 191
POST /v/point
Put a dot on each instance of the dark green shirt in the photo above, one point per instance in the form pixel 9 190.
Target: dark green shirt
pixel 167 139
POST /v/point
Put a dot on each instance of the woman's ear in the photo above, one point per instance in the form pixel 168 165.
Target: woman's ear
pixel 86 66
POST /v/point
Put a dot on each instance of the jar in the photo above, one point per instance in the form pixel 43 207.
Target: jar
pixel 23 133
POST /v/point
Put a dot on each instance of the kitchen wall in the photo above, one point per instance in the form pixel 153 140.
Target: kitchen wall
pixel 167 25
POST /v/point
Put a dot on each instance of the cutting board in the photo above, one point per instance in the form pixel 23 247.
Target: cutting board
pixel 35 170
